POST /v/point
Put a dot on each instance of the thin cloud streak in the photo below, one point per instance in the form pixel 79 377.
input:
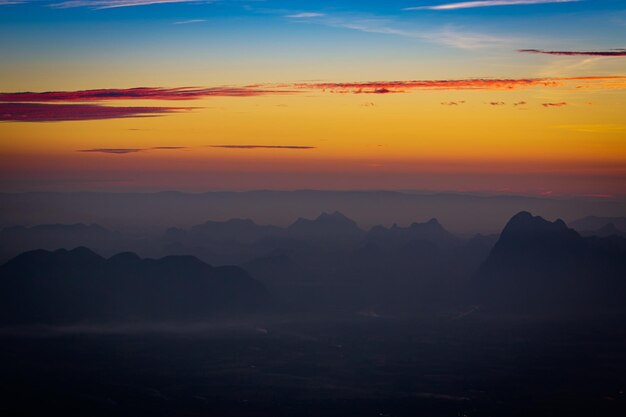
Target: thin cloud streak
pixel 139 93
pixel 115 151
pixel 295 147
pixel 187 22
pixel 111 4
pixel 614 52
pixel 305 15
pixel 387 87
pixel 488 3
pixel 40 112
pixel 123 151
pixel 560 104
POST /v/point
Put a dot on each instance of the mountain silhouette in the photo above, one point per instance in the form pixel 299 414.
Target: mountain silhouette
pixel 327 226
pixel 607 230
pixel 430 231
pixel 593 223
pixel 18 239
pixel 79 285
pixel 236 230
pixel 537 265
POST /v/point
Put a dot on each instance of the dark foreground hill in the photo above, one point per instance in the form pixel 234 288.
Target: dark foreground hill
pixel 79 285
pixel 542 266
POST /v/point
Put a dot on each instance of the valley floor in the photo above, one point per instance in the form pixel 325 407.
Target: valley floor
pixel 359 365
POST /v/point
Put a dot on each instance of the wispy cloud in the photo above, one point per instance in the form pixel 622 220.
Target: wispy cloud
pixel 187 22
pixel 487 3
pixel 506 84
pixel 387 87
pixel 122 151
pixel 139 93
pixel 559 104
pixel 304 15
pixel 116 151
pixel 8 2
pixel 111 4
pixel 452 103
pixel 612 52
pixel 496 103
pixel 298 147
pixel 448 35
pixel 39 112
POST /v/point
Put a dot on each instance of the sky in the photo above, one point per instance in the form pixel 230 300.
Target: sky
pixel 521 96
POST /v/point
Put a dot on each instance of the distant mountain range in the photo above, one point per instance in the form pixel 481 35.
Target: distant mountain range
pixel 78 285
pixel 596 223
pixel 542 266
pixel 533 266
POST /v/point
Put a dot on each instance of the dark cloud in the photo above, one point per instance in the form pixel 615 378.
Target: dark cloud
pixel 113 150
pixel 560 104
pixel 497 103
pixel 263 146
pixel 40 112
pixel 452 103
pixel 612 52
pixel 120 151
pixel 520 103
pixel 168 148
pixel 139 93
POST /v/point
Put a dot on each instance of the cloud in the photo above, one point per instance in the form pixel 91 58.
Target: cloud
pixel 29 106
pixel 117 151
pixel 487 3
pixel 305 15
pixel 386 87
pixel 138 93
pixel 560 104
pixel 497 103
pixel 186 22
pixel 301 147
pixel 122 151
pixel 519 103
pixel 111 4
pixel 452 103
pixel 447 35
pixel 612 52
pixel 168 148
pixel 9 2
pixel 39 112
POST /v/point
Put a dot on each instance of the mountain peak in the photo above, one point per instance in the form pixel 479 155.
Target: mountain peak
pixel 336 215
pixel 525 223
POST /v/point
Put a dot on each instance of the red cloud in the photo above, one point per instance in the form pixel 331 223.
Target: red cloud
pixel 139 93
pixel 614 52
pixel 262 146
pixel 380 87
pixel 40 112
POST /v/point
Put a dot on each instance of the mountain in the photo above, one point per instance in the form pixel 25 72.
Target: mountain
pixel 542 266
pixel 605 231
pixel 430 231
pixel 326 227
pixel 19 239
pixel 78 285
pixel 234 230
pixel 593 223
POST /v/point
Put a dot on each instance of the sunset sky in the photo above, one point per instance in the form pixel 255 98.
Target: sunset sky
pixel 522 96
